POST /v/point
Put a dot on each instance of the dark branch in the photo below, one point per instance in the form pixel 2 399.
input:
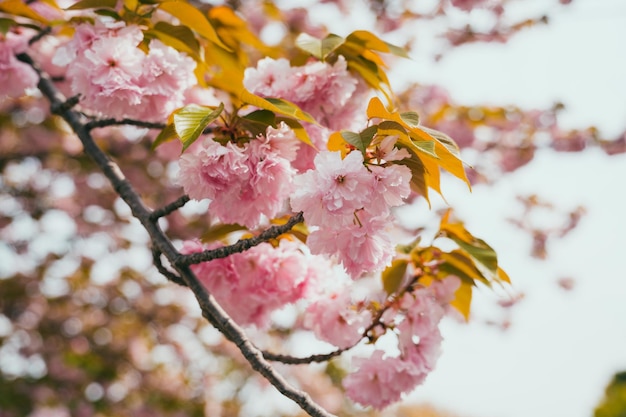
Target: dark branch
pixel 169 208
pixel 292 360
pixel 241 245
pixel 211 310
pixel 156 258
pixel 114 122
pixel 43 32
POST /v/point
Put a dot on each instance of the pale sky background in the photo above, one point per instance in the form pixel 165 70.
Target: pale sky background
pixel 563 347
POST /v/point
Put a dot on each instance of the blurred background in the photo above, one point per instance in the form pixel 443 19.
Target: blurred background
pixel 534 92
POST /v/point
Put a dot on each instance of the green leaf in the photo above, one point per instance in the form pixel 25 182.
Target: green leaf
pixel 330 43
pixel 108 13
pixel 310 44
pixel 276 105
pixel 354 139
pixel 445 140
pixel 180 38
pixel 477 248
pixel 190 121
pixel 392 275
pixel 257 121
pixel 93 4
pixel 220 231
pixel 410 118
pixel 426 146
pixel 320 49
pixel 166 135
pixel 6 24
pixel 189 16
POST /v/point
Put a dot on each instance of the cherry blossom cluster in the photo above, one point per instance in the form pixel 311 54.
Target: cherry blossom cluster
pixel 245 184
pixel 252 284
pixel 349 203
pixel 329 92
pixel 115 78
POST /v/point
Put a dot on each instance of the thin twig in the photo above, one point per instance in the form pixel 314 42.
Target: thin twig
pixel 156 259
pixel 211 310
pixel 241 245
pixel 169 208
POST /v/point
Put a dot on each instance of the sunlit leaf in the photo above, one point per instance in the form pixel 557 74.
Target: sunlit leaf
pixel 180 38
pixel 191 120
pixel 20 8
pixel 166 135
pixel 190 16
pixel 410 118
pixel 310 44
pixel 93 4
pixel 392 275
pixel 463 299
pixel 276 105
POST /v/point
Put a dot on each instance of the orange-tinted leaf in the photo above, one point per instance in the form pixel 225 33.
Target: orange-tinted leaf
pixel 19 8
pixel 463 299
pixel 393 275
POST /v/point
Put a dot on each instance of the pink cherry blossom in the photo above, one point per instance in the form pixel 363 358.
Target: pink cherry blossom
pixel 328 92
pixel 116 79
pixel 252 284
pixel 390 188
pixel 335 319
pixel 380 381
pixel 361 247
pixel 244 183
pixel 213 171
pixel 330 194
pixel 15 76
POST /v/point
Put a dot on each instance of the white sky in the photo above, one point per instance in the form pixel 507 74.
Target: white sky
pixel 563 347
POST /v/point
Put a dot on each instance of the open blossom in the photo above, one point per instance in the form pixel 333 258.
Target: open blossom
pixel 115 78
pixel 335 320
pixel 15 76
pixel 380 381
pixel 252 284
pixel 350 206
pixel 361 247
pixel 243 183
pixel 331 193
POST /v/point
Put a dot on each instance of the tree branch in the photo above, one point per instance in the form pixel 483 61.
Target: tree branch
pixel 114 122
pixel 211 310
pixel 169 208
pixel 241 245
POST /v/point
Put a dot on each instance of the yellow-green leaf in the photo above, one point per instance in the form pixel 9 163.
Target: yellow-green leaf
pixel 191 120
pixel 297 128
pixel 190 16
pixel 276 105
pixel 393 275
pixel 410 118
pixel 93 4
pixel 166 135
pixel 180 38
